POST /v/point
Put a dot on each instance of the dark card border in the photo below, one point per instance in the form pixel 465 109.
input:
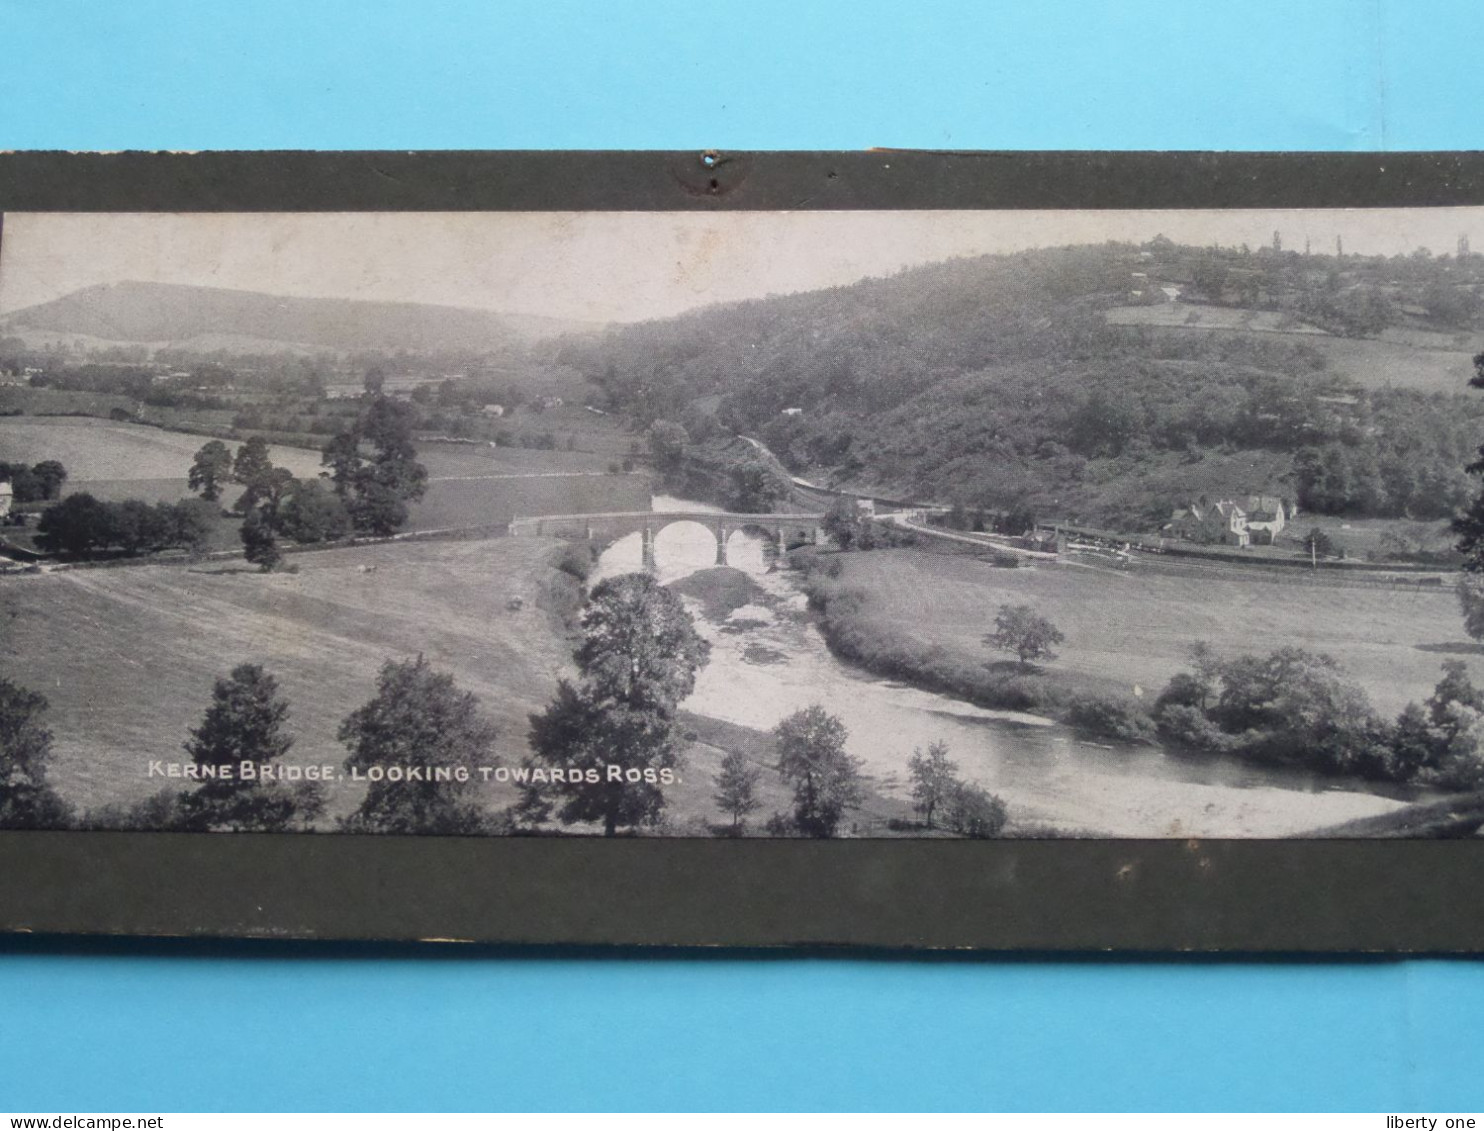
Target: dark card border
pixel 1065 895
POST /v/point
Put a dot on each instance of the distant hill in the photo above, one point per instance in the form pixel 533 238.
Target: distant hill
pixel 179 315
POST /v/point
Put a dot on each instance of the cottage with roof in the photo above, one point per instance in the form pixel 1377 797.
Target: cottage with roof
pixel 1223 522
pixel 1266 517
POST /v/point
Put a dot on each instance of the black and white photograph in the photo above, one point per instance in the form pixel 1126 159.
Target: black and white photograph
pixel 954 524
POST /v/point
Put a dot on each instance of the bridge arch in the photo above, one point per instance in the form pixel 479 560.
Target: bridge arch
pixel 784 530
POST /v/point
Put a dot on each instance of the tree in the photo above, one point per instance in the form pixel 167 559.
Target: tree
pixel 342 455
pixel 24 484
pixel 736 788
pixel 826 780
pixel 603 761
pixel 757 486
pixel 375 381
pixel 377 509
pixel 1018 520
pixel 376 490
pixel 1470 591
pixel 1469 526
pixel 192 523
pixel 251 469
pixel 933 779
pixel 842 521
pixel 311 513
pixel 271 491
pixel 1319 544
pixel 50 475
pixel 608 743
pixel 975 812
pixel 211 469
pixel 418 743
pixel 259 545
pixel 667 441
pixel 1018 629
pixel 237 750
pixel 76 525
pixel 27 800
pixel 136 526
pixel 639 646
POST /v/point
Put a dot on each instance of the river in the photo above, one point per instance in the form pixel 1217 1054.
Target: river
pixel 768 659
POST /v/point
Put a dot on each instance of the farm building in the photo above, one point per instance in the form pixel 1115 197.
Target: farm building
pixel 6 495
pixel 493 410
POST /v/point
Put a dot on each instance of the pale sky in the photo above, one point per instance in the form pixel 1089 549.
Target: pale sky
pixel 619 266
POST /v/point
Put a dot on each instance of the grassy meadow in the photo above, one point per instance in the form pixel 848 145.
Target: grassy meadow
pixel 1131 629
pixel 1397 359
pixel 470 485
pixel 127 657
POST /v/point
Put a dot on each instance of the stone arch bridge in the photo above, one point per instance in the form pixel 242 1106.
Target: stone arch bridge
pixel 785 529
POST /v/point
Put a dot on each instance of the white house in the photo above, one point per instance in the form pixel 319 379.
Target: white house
pixel 6 497
pixel 1224 522
pixel 1266 517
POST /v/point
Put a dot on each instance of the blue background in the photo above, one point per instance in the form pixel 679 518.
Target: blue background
pixel 160 1027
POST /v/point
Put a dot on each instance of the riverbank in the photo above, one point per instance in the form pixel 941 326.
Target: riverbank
pixel 923 619
pixel 769 659
pixel 1127 632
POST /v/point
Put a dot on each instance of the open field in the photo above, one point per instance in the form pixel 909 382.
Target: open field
pixel 478 502
pixel 1127 629
pixel 96 451
pixel 1399 359
pixel 452 460
pixel 1201 317
pixel 1380 364
pixel 471 485
pixel 127 656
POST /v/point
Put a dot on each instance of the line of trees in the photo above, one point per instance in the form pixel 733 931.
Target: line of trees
pixel 34 483
pixel 81 525
pixel 371 473
pixel 1296 707
pixel 415 743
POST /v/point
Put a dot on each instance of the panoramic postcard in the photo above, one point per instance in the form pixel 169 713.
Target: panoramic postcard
pixel 1032 524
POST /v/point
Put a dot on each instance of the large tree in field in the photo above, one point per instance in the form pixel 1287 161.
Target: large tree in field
pixel 607 742
pixel 237 750
pixel 602 762
pixel 211 469
pixel 50 475
pixel 251 469
pixel 639 645
pixel 27 801
pixel 933 779
pixel 826 780
pixel 259 545
pixel 1020 630
pixel 418 743
pixel 736 788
